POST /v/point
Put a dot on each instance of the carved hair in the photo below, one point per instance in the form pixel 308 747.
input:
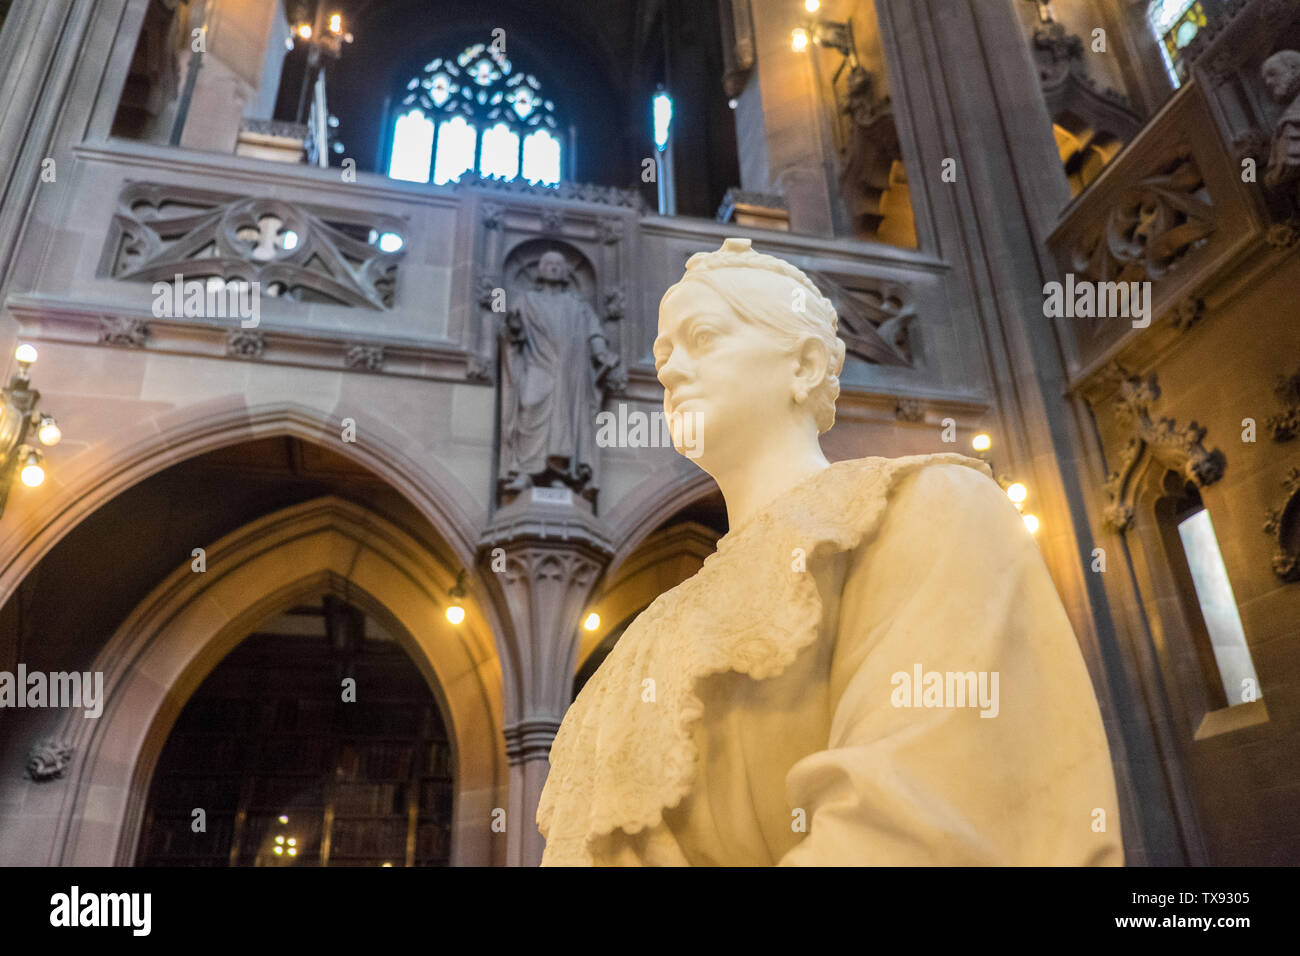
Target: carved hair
pixel 719 270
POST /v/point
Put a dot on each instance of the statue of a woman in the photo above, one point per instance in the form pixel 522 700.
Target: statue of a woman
pixel 874 666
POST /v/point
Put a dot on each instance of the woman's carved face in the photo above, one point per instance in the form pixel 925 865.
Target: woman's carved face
pixel 729 379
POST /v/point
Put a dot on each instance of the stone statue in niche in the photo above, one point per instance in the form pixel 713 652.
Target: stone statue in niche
pixel 556 364
pixel 1281 74
pixel 825 689
pixel 870 151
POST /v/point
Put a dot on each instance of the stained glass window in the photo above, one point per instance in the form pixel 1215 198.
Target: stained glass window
pixel 1175 24
pixel 412 147
pixel 475 112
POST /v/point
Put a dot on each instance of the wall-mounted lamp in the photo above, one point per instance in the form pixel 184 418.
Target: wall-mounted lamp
pixel 18 419
pixel 834 34
pixel 456 610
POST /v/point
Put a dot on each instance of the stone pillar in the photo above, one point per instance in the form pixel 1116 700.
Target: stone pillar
pixel 41 49
pixel 800 152
pixel 229 71
pixel 550 558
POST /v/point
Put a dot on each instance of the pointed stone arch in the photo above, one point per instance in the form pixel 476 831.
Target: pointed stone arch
pixel 83 484
pixel 165 648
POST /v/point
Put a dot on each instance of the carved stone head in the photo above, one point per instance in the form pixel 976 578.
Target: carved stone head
pixel 747 343
pixel 553 267
pixel 1281 74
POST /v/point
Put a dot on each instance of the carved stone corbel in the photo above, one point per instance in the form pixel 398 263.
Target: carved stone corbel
pixel 1164 441
pixel 48 760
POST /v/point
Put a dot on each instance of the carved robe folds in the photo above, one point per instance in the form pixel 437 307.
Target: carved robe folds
pixel 550 393
pixel 775 734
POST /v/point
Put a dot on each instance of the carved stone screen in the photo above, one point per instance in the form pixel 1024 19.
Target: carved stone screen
pixel 288 773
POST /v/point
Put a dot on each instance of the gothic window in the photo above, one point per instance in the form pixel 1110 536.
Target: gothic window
pixel 1175 23
pixel 474 112
pixel 1207 598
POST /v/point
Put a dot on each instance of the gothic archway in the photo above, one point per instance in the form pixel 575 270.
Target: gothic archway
pixel 172 640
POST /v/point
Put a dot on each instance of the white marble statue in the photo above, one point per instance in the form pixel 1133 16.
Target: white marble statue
pixel 874 667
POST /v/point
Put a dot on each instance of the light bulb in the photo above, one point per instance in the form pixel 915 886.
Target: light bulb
pixel 1017 492
pixel 279 850
pixel 292 851
pixel 25 353
pixel 799 40
pixel 981 442
pixel 592 622
pixel 48 431
pixel 455 613
pixel 283 818
pixel 304 31
pixel 1031 523
pixel 279 839
pixel 812 6
pixel 33 475
pixel 336 23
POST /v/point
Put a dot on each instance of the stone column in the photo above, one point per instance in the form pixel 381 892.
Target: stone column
pixel 229 70
pixel 784 95
pixel 42 47
pixel 550 559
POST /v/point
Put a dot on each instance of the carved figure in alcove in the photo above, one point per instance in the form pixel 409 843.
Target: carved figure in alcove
pixel 1281 74
pixel 870 151
pixel 556 365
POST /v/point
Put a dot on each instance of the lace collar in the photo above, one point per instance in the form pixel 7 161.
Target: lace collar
pixel 619 761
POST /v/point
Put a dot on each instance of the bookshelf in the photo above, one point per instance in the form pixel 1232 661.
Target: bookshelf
pixel 272 754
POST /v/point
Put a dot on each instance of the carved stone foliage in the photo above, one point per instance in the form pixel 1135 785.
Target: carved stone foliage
pixel 368 357
pixel 123 330
pixel 1150 228
pixel 1187 313
pixel 583 192
pixel 305 255
pixel 1283 523
pixel 48 760
pixel 1164 441
pixel 245 344
pixel 909 410
pixel 1286 424
pixel 874 316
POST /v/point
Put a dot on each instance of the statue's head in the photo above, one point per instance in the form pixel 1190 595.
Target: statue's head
pixel 553 267
pixel 747 345
pixel 1281 74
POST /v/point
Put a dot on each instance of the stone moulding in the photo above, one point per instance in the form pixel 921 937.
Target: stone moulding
pixel 1164 441
pixel 582 192
pixel 42 319
pixel 294 251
